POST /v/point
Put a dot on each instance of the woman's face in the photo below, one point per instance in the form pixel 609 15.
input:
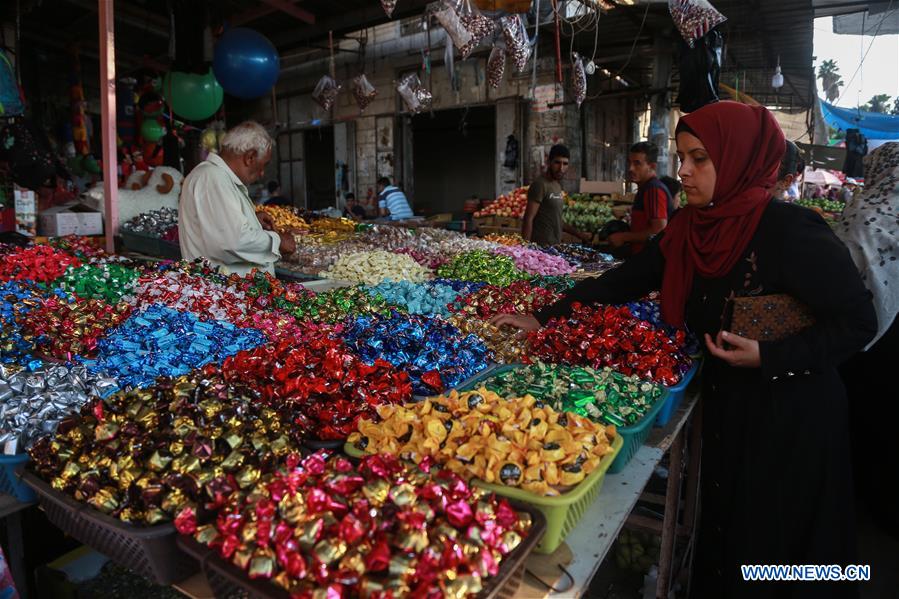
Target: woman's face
pixel 696 170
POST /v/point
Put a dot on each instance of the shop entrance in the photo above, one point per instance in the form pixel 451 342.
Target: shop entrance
pixel 453 158
pixel 321 189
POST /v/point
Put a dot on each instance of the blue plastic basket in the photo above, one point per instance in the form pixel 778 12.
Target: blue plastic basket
pixel 676 395
pixel 11 482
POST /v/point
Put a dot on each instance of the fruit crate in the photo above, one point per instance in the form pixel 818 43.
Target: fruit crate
pixel 150 551
pixel 227 581
pixel 632 436
pixel 562 512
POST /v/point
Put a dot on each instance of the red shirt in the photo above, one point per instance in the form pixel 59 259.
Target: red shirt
pixel 651 204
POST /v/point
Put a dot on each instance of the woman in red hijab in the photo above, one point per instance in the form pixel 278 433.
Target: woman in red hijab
pixel 776 480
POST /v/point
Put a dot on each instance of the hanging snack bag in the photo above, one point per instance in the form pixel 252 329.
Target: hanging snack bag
pixel 325 93
pixel 517 42
pixel 363 91
pixel 694 18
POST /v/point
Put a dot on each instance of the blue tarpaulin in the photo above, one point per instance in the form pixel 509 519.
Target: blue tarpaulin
pixel 873 125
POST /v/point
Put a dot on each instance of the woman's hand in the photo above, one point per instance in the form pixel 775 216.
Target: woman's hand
pixel 745 352
pixel 519 321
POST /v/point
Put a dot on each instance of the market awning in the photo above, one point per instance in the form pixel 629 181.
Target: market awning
pixel 872 124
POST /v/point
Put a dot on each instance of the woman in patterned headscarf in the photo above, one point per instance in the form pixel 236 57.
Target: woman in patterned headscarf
pixel 870 229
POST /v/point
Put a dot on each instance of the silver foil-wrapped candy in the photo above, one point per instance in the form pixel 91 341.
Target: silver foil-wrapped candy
pixel 32 403
pixel 155 223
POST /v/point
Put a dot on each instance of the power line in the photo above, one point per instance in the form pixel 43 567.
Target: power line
pixel 886 13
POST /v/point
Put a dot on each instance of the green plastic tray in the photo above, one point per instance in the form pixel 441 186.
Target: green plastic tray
pixel 562 512
pixel 632 436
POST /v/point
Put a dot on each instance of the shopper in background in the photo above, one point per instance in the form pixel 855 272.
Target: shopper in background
pixel 216 217
pixel 870 229
pixel 392 201
pixel 791 168
pixel 543 223
pixel 674 190
pixel 776 475
pixel 275 197
pixel 353 209
pixel 649 215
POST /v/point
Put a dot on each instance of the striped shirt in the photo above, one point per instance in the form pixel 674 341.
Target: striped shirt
pixel 396 203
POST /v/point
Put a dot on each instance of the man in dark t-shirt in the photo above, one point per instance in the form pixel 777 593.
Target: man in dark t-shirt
pixel 649 215
pixel 543 222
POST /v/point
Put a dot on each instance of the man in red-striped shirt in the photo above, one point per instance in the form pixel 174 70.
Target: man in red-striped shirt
pixel 653 205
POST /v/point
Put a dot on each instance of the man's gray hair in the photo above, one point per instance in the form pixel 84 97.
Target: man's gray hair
pixel 247 136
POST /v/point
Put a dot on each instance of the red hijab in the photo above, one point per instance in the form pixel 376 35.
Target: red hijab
pixel 746 145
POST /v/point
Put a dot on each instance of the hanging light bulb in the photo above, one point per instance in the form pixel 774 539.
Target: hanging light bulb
pixel 590 67
pixel 777 81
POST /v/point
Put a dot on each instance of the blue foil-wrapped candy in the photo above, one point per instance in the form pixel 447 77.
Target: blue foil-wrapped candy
pixel 436 354
pixel 419 298
pixel 17 298
pixel 651 311
pixel 460 287
pixel 163 342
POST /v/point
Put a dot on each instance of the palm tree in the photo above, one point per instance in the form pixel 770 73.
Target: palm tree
pixel 895 106
pixel 829 74
pixel 878 103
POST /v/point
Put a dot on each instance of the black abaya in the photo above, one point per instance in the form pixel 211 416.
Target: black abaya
pixel 776 474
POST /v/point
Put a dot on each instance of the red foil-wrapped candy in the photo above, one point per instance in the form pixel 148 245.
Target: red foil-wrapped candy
pixel 605 336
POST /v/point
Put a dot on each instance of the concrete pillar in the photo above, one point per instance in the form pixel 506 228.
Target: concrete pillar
pixel 659 123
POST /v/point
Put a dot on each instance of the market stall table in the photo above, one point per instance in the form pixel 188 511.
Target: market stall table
pixel 588 545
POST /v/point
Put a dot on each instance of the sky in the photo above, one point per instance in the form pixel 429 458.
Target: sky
pixel 879 74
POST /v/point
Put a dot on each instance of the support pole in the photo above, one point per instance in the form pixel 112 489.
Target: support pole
pixel 108 121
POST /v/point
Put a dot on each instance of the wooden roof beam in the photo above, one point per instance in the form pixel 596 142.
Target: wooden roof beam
pixel 288 7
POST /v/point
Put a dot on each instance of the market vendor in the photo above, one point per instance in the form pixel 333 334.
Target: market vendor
pixel 650 213
pixel 775 437
pixel 392 202
pixel 216 217
pixel 543 223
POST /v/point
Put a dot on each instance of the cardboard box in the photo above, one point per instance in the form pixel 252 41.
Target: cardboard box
pixel 601 187
pixel 71 219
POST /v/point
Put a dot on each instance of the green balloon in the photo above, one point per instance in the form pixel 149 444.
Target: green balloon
pixel 193 97
pixel 90 165
pixel 152 130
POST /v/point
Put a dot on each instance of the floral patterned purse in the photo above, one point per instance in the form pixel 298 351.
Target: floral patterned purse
pixel 767 317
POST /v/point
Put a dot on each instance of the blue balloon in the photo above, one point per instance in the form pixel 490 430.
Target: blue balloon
pixel 246 63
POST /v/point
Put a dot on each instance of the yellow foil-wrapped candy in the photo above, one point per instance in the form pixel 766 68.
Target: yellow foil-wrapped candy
pixel 478 434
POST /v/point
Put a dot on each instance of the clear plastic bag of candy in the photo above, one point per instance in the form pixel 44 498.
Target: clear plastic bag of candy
pixel 496 66
pixel 578 79
pixel 476 23
pixel 518 45
pixel 449 18
pixel 363 91
pixel 388 6
pixel 694 18
pixel 325 93
pixel 416 97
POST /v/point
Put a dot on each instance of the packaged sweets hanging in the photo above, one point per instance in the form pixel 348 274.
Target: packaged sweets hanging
pixel 388 6
pixel 579 79
pixel 694 18
pixel 517 43
pixel 477 24
pixel 416 97
pixel 448 17
pixel 325 93
pixel 496 66
pixel 363 91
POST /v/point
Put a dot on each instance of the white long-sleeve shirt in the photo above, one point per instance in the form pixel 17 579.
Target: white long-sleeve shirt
pixel 217 220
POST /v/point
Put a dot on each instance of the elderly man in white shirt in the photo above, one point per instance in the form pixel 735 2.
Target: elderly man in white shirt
pixel 216 217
